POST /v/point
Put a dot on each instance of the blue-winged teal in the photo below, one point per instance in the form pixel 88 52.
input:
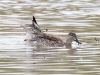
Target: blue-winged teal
pixel 44 39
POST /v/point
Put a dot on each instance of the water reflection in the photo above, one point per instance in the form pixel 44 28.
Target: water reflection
pixel 59 17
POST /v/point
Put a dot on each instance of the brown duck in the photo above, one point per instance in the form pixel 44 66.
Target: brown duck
pixel 44 39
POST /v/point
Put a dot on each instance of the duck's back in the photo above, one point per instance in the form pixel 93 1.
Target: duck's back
pixel 48 40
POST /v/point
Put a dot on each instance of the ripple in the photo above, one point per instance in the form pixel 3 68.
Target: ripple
pixel 60 17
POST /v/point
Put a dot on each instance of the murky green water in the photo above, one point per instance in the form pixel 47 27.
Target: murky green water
pixel 60 17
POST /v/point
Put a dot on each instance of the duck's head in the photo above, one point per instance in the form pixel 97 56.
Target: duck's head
pixel 26 27
pixel 72 37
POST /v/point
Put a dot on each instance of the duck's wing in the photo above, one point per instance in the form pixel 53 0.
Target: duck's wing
pixel 49 39
pixel 35 25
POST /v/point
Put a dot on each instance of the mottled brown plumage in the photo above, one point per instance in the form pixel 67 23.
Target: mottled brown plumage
pixel 48 40
pixel 36 37
pixel 51 40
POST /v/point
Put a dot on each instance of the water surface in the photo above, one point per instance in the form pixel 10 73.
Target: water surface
pixel 60 17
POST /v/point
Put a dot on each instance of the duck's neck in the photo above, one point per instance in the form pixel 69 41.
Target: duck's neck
pixel 68 41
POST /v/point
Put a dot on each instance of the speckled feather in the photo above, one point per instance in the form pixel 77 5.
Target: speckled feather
pixel 48 40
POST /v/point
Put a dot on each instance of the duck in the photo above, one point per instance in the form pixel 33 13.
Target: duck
pixel 31 28
pixel 44 39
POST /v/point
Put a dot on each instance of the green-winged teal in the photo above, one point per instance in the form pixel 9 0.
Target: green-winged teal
pixel 45 39
pixel 31 28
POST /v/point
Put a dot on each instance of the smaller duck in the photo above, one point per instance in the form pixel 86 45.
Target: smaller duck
pixel 31 28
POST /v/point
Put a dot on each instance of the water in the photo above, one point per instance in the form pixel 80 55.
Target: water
pixel 60 17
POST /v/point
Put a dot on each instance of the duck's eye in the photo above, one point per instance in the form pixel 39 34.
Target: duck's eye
pixel 73 35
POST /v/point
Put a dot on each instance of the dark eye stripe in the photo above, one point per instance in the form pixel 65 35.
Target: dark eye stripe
pixel 73 35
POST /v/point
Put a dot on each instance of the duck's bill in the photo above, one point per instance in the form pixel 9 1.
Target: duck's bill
pixel 78 41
